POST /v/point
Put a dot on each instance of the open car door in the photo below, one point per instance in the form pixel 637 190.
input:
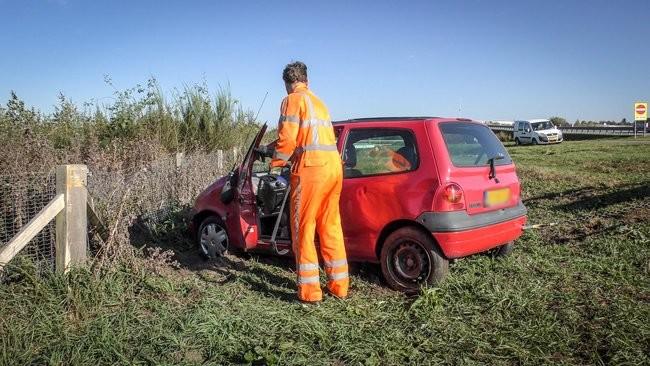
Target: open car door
pixel 244 215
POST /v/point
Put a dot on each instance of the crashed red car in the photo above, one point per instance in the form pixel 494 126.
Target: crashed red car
pixel 417 192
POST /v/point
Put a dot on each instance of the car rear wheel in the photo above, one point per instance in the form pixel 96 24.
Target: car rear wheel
pixel 411 259
pixel 503 250
pixel 212 237
pixel 517 142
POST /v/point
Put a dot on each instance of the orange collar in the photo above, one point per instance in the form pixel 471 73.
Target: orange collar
pixel 299 87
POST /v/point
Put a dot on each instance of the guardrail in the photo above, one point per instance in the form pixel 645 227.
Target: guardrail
pixel 602 131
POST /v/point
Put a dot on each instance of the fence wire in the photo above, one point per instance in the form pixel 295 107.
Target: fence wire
pixel 22 196
pixel 148 194
pixel 145 195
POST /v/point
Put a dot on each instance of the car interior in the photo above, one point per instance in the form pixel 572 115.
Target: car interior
pixel 269 190
pixel 350 153
pixel 350 162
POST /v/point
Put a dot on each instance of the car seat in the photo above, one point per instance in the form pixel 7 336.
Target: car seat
pixel 350 158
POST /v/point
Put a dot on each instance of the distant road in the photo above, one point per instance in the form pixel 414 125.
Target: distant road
pixel 603 131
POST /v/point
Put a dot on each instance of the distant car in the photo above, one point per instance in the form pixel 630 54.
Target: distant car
pixel 536 131
pixel 417 192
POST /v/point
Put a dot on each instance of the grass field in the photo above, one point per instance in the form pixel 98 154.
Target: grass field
pixel 575 293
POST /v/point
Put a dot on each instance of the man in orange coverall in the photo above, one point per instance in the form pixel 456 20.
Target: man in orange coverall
pixel 306 138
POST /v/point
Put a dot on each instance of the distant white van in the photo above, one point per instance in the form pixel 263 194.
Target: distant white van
pixel 536 131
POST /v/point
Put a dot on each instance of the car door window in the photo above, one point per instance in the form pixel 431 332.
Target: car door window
pixel 370 152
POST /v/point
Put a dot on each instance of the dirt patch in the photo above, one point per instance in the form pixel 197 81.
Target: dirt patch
pixel 598 222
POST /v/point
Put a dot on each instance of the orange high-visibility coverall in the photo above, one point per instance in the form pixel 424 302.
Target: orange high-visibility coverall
pixel 306 137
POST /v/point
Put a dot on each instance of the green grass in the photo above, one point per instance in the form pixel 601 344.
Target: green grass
pixel 575 293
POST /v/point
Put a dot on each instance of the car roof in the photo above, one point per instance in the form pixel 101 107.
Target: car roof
pixel 399 119
pixel 534 120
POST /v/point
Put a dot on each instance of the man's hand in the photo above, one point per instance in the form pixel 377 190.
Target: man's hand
pixel 265 151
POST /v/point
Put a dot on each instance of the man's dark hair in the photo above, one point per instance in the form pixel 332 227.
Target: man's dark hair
pixel 295 72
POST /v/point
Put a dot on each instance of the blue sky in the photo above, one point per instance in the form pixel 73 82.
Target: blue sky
pixel 477 59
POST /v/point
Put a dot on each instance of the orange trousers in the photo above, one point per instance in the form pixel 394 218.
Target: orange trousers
pixel 315 194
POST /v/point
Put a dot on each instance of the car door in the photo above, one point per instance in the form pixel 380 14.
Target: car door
pixel 244 214
pixel 377 165
pixel 527 133
pixel 518 129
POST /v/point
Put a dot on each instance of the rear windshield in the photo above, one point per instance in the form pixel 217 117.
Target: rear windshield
pixel 472 145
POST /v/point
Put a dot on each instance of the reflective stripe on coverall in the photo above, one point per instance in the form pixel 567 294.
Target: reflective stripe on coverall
pixel 306 137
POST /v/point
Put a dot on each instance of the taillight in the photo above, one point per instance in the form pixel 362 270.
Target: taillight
pixel 453 193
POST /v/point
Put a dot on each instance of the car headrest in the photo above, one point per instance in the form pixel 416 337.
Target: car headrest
pixel 408 152
pixel 350 156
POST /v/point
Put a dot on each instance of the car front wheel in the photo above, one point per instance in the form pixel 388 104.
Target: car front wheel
pixel 411 259
pixel 212 237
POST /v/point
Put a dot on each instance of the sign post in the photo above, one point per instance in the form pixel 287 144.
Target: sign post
pixel 640 114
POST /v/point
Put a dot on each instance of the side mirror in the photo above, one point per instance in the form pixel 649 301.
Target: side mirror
pixel 527 129
pixel 228 191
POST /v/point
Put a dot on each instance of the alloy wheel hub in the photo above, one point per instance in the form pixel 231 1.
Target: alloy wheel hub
pixel 214 240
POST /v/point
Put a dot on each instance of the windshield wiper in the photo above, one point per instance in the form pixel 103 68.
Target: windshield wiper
pixel 493 171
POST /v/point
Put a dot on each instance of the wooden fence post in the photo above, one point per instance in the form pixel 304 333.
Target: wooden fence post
pixel 72 221
pixel 180 158
pixel 220 160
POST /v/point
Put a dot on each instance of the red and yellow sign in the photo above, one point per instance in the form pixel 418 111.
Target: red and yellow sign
pixel 640 111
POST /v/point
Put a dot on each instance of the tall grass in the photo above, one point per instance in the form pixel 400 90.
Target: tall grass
pixel 141 117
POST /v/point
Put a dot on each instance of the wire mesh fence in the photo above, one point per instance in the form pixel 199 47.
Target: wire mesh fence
pixel 22 196
pixel 139 200
pixel 149 188
pixel 143 196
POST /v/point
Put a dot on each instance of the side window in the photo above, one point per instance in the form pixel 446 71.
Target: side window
pixel 379 151
pixel 520 126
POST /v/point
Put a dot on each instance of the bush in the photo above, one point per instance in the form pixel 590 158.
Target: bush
pixel 192 120
pixel 504 136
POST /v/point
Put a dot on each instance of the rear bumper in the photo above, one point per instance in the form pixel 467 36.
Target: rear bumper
pixel 459 234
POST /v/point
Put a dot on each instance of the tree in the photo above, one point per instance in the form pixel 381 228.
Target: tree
pixel 559 121
pixel 18 114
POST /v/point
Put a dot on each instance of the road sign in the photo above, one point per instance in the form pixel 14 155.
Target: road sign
pixel 640 111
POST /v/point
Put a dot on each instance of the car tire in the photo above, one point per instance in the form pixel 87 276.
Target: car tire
pixel 534 141
pixel 503 250
pixel 410 259
pixel 517 142
pixel 212 238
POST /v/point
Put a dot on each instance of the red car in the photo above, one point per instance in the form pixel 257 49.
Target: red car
pixel 417 192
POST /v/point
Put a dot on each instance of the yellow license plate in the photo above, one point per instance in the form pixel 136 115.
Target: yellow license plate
pixel 497 197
